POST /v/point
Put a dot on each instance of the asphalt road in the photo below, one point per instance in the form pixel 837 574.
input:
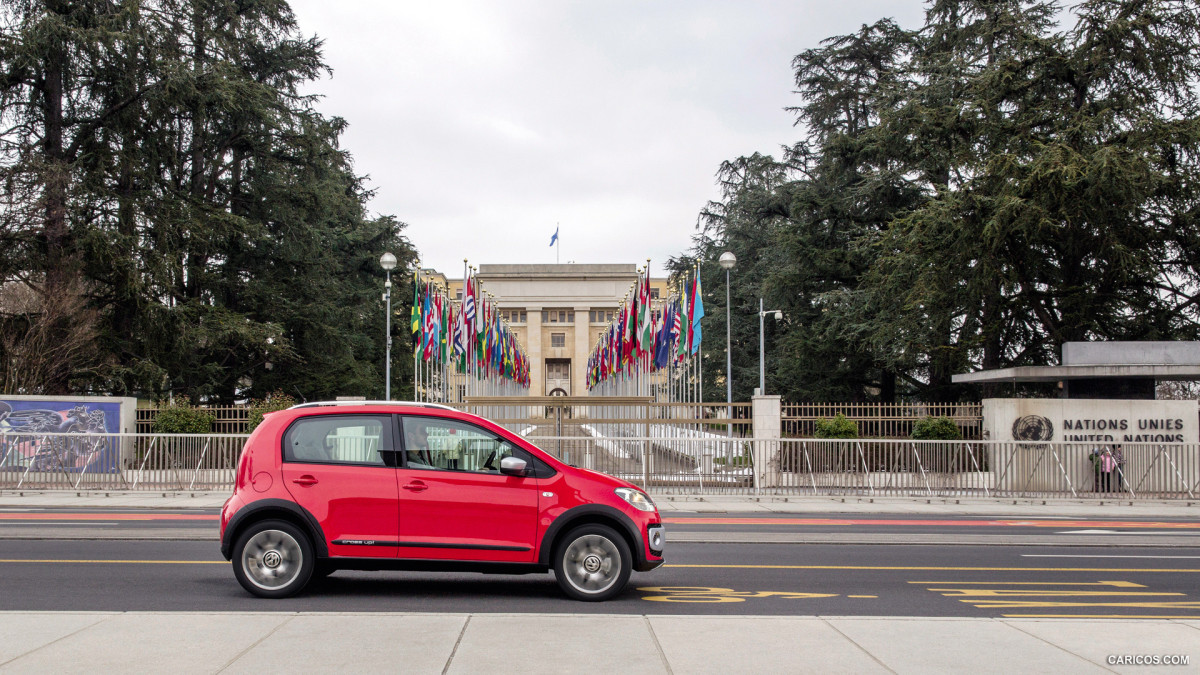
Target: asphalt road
pixel 876 529
pixel 730 579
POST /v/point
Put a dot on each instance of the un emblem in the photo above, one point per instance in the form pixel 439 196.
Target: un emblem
pixel 1033 428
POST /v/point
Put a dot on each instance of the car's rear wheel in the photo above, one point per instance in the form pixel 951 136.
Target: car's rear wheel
pixel 273 559
pixel 592 563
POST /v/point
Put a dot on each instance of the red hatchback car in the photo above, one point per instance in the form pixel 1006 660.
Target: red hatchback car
pixel 411 486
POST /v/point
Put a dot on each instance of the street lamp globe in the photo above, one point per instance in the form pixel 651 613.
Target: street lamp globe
pixel 727 260
pixel 387 261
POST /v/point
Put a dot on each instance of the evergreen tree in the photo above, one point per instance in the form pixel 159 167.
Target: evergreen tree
pixel 220 233
pixel 972 194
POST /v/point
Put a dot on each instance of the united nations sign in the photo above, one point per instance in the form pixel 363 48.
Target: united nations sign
pixel 1033 428
pixel 1090 420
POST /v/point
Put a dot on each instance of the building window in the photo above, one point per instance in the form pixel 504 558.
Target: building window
pixel 513 315
pixel 558 316
pixel 600 316
pixel 558 340
pixel 653 293
pixel 458 294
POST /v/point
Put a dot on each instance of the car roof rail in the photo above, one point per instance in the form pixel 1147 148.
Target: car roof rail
pixel 419 404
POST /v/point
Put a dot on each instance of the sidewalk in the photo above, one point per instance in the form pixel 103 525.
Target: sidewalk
pixel 667 504
pixel 176 642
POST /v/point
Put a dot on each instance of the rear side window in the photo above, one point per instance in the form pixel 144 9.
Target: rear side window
pixel 338 439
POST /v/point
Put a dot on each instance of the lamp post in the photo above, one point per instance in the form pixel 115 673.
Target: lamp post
pixel 388 262
pixel 727 261
pixel 762 373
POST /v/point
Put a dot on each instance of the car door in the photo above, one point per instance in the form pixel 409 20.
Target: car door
pixel 454 502
pixel 333 466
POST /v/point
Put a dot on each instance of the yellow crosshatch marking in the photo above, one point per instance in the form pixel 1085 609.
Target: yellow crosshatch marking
pixel 702 594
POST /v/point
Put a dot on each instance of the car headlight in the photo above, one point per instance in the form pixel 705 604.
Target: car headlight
pixel 637 499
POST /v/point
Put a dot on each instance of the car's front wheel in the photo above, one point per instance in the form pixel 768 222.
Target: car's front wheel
pixel 273 559
pixel 592 563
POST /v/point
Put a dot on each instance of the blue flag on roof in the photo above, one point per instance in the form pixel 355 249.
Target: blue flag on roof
pixel 555 237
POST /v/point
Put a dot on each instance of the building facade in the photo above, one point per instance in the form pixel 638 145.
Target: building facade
pixel 558 313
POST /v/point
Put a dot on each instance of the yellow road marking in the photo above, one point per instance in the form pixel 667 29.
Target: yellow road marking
pixel 1009 592
pixel 112 562
pixel 995 604
pixel 862 596
pixel 713 594
pixel 1099 616
pixel 1118 584
pixel 941 569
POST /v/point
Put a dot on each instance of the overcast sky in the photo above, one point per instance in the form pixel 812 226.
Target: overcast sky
pixel 484 125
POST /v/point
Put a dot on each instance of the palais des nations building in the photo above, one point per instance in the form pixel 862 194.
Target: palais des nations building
pixel 557 312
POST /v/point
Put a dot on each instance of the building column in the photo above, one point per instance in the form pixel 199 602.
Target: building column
pixel 533 342
pixel 580 352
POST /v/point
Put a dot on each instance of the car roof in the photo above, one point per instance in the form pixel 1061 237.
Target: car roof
pixel 406 404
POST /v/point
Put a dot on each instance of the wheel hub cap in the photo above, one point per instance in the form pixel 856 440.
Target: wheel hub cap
pixel 272 559
pixel 592 563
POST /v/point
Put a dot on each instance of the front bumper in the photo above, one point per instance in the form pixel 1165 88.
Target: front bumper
pixel 655 541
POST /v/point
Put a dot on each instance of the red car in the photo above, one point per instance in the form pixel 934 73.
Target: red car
pixel 410 486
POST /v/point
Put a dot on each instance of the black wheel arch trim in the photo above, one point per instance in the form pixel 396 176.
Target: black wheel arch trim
pixel 255 511
pixel 587 512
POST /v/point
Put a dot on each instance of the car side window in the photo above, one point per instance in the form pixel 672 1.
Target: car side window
pixel 449 445
pixel 338 439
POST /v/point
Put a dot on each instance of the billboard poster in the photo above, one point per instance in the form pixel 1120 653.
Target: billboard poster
pixel 29 440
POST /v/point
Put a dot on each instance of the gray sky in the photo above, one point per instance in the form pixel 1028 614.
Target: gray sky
pixel 482 124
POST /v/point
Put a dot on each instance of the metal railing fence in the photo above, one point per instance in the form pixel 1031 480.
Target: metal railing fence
pixel 667 460
pixel 232 419
pixel 119 461
pixel 978 468
pixel 582 416
pixel 880 420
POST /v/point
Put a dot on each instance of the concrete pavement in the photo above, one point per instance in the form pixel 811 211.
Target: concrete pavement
pixel 180 642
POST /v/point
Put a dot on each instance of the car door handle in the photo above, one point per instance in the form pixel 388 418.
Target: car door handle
pixel 416 486
pixel 305 480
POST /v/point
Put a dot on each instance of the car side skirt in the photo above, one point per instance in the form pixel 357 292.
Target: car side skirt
pixel 427 565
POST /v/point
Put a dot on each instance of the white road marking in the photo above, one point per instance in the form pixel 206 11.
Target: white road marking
pixel 1173 532
pixel 48 523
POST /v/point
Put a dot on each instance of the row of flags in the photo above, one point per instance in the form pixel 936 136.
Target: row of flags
pixel 469 337
pixel 645 338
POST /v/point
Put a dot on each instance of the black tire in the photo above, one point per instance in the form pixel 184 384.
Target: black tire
pixel 273 559
pixel 592 563
pixel 322 570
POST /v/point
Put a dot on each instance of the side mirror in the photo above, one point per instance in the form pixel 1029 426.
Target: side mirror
pixel 512 466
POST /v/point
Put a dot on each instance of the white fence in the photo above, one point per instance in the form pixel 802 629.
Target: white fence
pixel 667 460
pixel 119 461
